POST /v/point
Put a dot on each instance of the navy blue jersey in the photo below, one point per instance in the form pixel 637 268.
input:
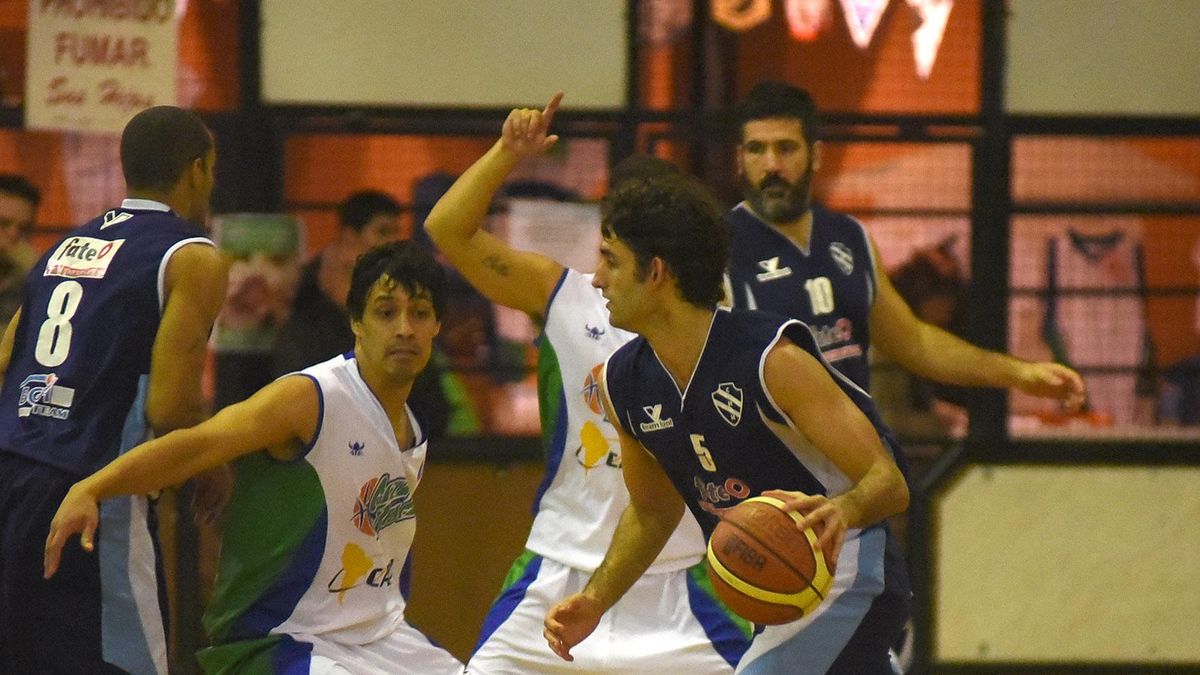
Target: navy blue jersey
pixel 76 384
pixel 723 440
pixel 830 286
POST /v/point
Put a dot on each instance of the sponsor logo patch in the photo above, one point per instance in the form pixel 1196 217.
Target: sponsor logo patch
pixel 41 395
pixel 771 270
pixel 82 257
pixel 656 423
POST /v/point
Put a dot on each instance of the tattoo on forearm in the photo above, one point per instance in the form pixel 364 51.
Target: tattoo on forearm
pixel 496 264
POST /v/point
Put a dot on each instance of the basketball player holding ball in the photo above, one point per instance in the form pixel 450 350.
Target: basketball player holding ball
pixel 714 407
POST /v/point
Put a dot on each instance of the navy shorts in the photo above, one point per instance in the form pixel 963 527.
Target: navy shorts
pixel 98 610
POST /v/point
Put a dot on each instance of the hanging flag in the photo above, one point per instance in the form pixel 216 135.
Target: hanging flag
pixel 807 18
pixel 740 15
pixel 862 18
pixel 927 38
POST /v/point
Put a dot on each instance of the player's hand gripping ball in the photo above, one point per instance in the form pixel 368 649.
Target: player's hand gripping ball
pixel 763 566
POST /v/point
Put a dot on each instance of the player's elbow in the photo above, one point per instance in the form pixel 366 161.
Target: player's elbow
pixel 167 416
pixel 898 496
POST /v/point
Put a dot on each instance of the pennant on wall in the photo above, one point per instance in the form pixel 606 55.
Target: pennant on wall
pixel 740 15
pixel 807 18
pixel 927 38
pixel 862 18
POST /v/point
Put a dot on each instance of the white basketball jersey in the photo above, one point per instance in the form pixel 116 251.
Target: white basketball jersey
pixel 368 482
pixel 583 493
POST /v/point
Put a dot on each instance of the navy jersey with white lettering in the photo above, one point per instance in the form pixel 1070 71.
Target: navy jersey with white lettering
pixel 75 388
pixel 830 286
pixel 723 439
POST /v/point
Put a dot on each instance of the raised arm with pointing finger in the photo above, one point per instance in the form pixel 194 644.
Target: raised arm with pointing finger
pixel 583 496
pixel 519 279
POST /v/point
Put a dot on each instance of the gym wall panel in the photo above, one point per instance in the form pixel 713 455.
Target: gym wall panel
pixel 1068 564
pixel 450 53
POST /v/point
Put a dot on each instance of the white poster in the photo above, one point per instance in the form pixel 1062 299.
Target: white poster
pixel 93 65
pixel 567 232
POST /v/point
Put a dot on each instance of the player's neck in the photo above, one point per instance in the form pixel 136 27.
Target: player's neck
pixel 392 396
pixel 679 338
pixel 798 230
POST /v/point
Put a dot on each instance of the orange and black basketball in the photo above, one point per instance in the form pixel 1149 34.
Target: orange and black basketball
pixel 763 566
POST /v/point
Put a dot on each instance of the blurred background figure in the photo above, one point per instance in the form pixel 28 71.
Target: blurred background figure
pixel 19 201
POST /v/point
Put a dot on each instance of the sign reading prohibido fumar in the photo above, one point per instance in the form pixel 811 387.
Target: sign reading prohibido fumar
pixel 93 64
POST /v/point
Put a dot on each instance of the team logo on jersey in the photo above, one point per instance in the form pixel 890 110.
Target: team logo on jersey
pixel 771 270
pixel 115 218
pixel 593 332
pixel 727 398
pixel 596 449
pixel 82 257
pixel 842 257
pixel 591 390
pixel 358 568
pixel 382 502
pixel 356 448
pixel 656 423
pixel 41 395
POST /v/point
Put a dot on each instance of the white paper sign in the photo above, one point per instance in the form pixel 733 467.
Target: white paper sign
pixel 93 65
pixel 567 232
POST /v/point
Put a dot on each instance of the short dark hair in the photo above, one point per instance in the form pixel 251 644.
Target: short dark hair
pixel 159 144
pixel 403 262
pixel 640 165
pixel 675 218
pixel 769 100
pixel 360 207
pixel 15 184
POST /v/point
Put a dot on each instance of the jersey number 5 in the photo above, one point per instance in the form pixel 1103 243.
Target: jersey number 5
pixel 702 453
pixel 54 337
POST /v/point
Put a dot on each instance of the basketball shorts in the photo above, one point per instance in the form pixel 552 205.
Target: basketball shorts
pixel 668 622
pixel 103 612
pixel 405 651
pixel 851 631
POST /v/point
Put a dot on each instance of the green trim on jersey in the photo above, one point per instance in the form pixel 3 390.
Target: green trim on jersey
pixel 517 570
pixel 273 509
pixel 550 393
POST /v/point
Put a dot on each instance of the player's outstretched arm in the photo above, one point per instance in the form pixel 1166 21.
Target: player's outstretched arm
pixel 940 356
pixel 806 392
pixel 646 524
pixel 280 418
pixel 519 279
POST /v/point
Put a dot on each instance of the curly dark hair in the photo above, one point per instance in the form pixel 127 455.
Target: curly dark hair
pixel 673 217
pixel 403 262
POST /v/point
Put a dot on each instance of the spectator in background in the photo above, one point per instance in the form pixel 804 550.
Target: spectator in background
pixel 932 284
pixel 19 201
pixel 319 327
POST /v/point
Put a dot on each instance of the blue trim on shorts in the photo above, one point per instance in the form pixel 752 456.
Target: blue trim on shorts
pixel 819 643
pixel 291 657
pixel 727 638
pixel 124 642
pixel 510 596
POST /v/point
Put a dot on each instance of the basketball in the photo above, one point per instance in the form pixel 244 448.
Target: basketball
pixel 763 567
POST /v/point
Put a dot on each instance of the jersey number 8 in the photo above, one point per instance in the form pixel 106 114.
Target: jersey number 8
pixel 54 337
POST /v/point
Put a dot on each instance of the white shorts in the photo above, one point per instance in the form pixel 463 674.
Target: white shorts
pixel 668 622
pixel 404 650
